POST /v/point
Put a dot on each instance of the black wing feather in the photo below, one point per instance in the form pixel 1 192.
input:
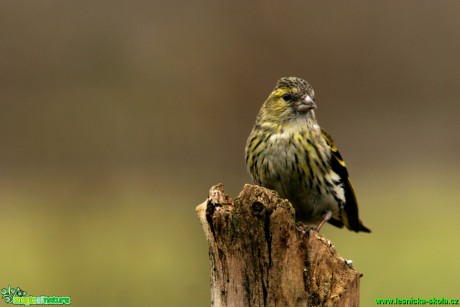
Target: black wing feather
pixel 350 218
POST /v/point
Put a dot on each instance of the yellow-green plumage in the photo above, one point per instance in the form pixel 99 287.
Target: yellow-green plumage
pixel 288 152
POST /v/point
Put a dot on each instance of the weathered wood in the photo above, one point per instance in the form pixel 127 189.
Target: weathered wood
pixel 260 257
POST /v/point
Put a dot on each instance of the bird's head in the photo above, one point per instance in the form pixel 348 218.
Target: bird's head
pixel 292 98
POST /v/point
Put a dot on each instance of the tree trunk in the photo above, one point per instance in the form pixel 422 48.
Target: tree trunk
pixel 260 257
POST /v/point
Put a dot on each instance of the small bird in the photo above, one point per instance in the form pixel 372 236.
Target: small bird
pixel 287 151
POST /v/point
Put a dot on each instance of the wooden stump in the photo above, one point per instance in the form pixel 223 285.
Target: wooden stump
pixel 260 257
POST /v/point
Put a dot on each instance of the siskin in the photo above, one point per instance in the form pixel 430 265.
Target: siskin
pixel 288 152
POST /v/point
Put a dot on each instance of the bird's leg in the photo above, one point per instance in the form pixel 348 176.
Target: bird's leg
pixel 326 218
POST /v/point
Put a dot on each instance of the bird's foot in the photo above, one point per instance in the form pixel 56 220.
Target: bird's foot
pixel 303 227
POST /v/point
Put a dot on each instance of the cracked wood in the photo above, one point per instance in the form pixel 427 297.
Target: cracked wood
pixel 259 256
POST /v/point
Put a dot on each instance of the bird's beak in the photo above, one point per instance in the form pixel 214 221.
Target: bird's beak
pixel 305 104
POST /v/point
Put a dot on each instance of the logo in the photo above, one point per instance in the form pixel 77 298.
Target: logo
pixel 18 297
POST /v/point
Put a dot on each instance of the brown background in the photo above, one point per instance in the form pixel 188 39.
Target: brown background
pixel 116 118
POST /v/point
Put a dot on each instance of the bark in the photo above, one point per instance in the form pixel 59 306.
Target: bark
pixel 259 256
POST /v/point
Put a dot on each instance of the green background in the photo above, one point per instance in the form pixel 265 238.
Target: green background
pixel 117 117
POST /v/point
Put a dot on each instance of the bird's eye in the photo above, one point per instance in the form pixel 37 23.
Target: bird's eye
pixel 287 96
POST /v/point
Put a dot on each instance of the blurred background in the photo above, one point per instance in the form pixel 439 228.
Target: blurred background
pixel 117 117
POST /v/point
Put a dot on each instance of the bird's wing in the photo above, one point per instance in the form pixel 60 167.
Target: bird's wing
pixel 350 218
